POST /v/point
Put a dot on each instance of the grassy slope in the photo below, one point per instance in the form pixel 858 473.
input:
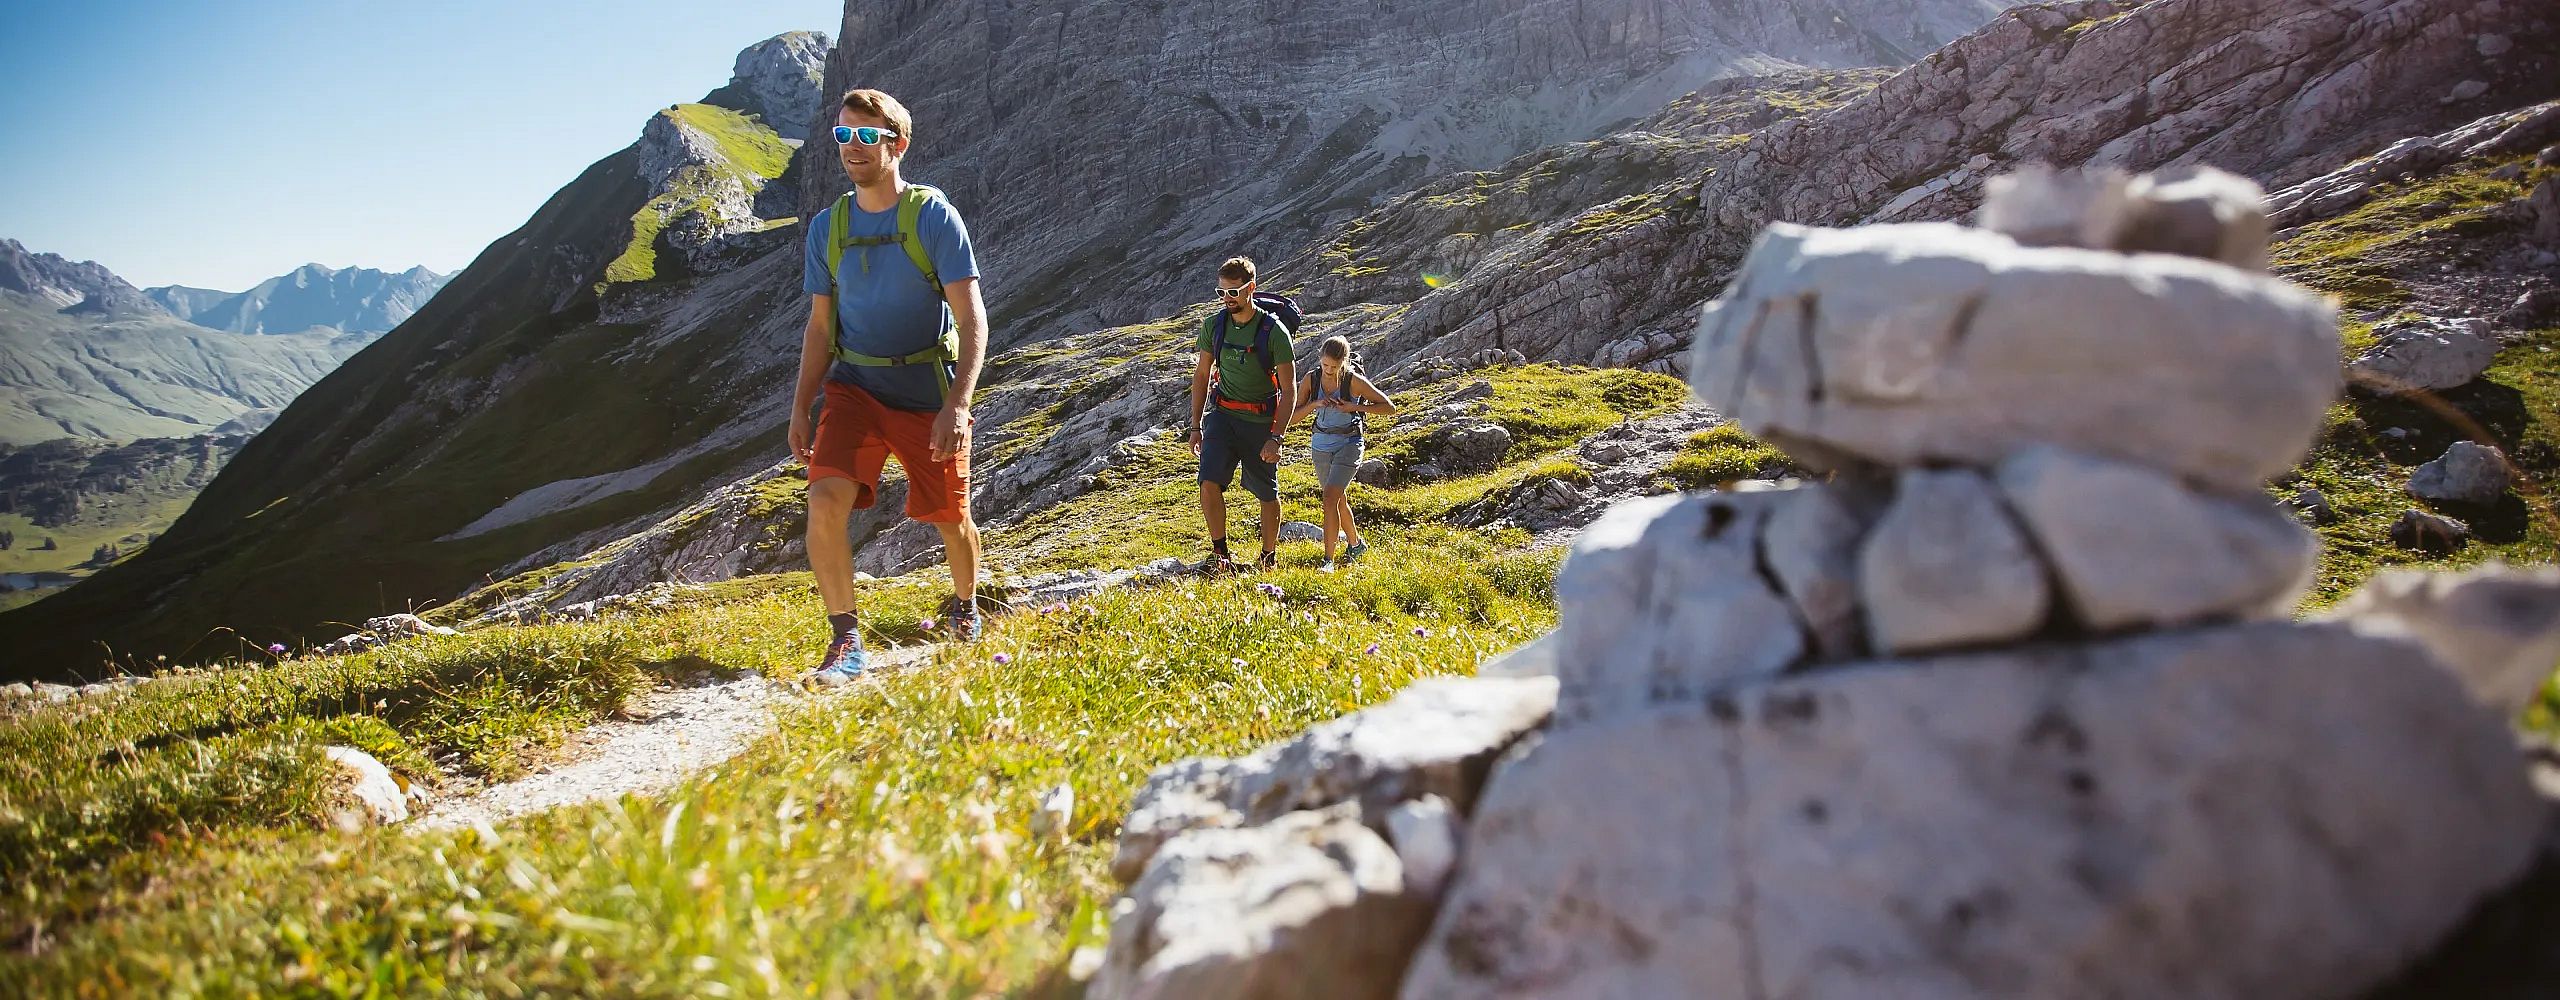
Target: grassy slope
pixel 751 154
pixel 2372 258
pixel 881 840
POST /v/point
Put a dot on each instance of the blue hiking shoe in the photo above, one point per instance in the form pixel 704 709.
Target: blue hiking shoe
pixel 1352 554
pixel 962 618
pixel 845 662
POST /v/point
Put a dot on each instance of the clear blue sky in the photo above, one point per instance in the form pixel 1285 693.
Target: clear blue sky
pixel 218 144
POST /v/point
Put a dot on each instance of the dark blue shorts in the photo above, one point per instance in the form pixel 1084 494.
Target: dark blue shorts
pixel 1226 442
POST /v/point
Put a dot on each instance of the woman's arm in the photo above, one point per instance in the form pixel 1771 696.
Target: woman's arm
pixel 1306 391
pixel 1369 390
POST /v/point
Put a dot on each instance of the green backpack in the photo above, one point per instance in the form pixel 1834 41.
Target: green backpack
pixel 910 208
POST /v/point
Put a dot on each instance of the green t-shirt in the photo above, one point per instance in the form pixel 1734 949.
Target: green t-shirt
pixel 1241 374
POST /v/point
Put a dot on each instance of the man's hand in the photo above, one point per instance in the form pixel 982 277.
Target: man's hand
pixel 800 436
pixel 1195 442
pixel 1271 449
pixel 951 431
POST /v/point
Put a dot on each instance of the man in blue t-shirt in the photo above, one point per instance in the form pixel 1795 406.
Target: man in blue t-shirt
pixel 875 345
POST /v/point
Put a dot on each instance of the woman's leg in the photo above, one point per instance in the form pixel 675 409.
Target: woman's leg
pixel 1335 513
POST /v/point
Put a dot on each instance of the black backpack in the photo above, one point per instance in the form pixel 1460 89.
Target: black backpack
pixel 1282 308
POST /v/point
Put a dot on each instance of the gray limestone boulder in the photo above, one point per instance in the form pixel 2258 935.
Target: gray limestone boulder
pixel 1470 446
pixel 2434 534
pixel 1947 566
pixel 2130 547
pixel 1662 598
pixel 2240 811
pixel 1913 344
pixel 2496 627
pixel 2468 472
pixel 1313 905
pixel 1438 736
pixel 2424 355
pixel 2189 211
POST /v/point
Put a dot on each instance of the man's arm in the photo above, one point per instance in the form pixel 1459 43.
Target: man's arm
pixel 969 315
pixel 817 347
pixel 1280 408
pixel 1200 373
pixel 969 318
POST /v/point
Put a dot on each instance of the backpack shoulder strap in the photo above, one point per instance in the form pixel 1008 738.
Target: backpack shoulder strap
pixel 911 204
pixel 839 230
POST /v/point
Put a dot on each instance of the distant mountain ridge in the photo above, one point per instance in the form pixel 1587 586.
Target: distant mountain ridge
pixel 79 287
pixel 353 300
pixel 85 354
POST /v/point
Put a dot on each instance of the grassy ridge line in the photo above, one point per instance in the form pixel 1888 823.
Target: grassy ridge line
pixel 878 843
pixel 750 154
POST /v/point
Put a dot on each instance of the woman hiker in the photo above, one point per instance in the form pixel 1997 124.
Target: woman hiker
pixel 1337 397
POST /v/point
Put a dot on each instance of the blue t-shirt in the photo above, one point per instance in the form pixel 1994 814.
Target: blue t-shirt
pixel 886 309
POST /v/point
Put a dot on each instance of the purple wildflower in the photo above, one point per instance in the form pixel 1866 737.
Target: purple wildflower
pixel 277 649
pixel 1373 649
pixel 1421 632
pixel 927 624
pixel 1003 658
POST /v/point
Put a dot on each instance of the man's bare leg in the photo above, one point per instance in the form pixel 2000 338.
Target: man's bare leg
pixel 1270 525
pixel 960 544
pixel 830 550
pixel 1213 508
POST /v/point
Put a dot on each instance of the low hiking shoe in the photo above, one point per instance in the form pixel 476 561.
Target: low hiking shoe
pixel 1218 564
pixel 1269 561
pixel 1356 550
pixel 962 617
pixel 846 660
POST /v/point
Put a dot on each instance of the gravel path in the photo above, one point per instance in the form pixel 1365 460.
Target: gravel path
pixel 677 733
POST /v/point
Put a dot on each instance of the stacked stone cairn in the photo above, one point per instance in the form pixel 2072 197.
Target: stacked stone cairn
pixel 2013 704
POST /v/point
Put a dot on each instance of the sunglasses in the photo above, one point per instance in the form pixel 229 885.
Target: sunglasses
pixel 847 135
pixel 1225 292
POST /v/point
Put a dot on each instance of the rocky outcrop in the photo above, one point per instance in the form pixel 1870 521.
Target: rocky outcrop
pixel 1939 727
pixel 2288 89
pixel 778 80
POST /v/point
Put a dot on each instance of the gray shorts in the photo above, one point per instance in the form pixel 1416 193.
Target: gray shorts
pixel 1334 468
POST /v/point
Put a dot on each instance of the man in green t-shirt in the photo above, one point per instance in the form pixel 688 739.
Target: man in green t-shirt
pixel 1249 352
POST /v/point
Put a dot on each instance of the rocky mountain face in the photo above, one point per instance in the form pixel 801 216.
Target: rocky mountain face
pixel 1106 156
pixel 777 80
pixel 350 300
pixel 559 394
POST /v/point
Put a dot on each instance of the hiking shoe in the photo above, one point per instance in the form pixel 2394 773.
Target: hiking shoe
pixel 962 618
pixel 844 664
pixel 1326 568
pixel 1269 561
pixel 1356 550
pixel 1217 564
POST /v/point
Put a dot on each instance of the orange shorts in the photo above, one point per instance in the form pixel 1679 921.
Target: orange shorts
pixel 856 436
